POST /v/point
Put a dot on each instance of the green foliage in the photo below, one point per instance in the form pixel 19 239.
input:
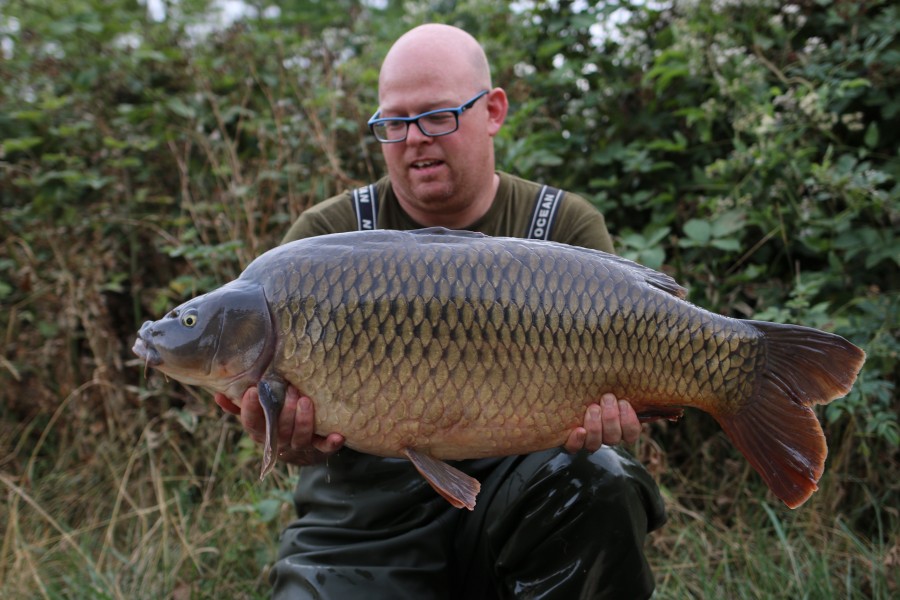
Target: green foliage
pixel 751 148
pixel 748 148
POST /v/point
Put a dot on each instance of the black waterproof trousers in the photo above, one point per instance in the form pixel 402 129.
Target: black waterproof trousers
pixel 546 525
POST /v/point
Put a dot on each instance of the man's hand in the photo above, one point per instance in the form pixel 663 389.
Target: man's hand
pixel 297 442
pixel 611 422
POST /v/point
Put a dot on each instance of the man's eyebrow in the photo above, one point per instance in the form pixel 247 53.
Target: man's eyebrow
pixel 434 105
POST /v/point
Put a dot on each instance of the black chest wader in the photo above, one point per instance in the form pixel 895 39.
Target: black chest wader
pixel 548 525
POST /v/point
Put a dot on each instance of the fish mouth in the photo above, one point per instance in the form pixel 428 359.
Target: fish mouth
pixel 147 352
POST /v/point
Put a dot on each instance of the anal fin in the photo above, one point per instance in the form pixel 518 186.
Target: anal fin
pixel 453 485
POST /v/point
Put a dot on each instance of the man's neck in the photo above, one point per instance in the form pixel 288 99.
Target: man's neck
pixel 459 219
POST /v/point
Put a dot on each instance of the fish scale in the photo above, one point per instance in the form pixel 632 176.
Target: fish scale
pixel 439 345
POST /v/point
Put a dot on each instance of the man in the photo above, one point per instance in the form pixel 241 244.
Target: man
pixel 554 524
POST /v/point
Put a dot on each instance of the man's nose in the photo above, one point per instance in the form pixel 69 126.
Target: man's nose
pixel 415 135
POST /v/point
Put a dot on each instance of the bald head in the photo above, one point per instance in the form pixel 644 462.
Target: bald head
pixel 449 179
pixel 436 51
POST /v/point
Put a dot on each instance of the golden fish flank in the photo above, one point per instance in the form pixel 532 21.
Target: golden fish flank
pixel 448 345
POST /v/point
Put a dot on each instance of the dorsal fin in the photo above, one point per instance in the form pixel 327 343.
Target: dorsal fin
pixel 450 232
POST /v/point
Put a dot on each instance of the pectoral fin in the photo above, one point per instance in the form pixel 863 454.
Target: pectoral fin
pixel 271 399
pixel 455 486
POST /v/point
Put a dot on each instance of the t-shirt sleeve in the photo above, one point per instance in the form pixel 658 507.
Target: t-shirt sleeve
pixel 579 223
pixel 334 215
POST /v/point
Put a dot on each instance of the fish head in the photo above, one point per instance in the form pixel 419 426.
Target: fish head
pixel 222 341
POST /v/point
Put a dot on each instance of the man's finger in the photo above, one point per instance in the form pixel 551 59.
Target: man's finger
pixel 631 425
pixel 575 441
pixel 226 404
pixel 286 418
pixel 329 444
pixel 252 417
pixel 593 425
pixel 304 423
pixel 612 425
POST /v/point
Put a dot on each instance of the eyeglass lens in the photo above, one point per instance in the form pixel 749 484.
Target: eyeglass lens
pixel 440 123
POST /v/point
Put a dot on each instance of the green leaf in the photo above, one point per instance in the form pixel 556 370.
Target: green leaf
pixel 852 84
pixel 698 231
pixel 21 144
pixel 871 137
pixel 730 244
pixel 727 223
pixel 177 106
pixel 33 116
pixel 652 257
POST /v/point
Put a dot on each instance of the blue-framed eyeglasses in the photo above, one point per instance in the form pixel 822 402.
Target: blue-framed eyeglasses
pixel 434 123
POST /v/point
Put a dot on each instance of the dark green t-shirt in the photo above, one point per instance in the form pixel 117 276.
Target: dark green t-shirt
pixel 577 222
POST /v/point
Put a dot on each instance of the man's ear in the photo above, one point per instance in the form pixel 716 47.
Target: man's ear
pixel 498 106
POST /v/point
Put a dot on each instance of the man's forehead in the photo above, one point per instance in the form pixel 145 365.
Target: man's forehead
pixel 416 103
pixel 441 44
pixel 425 71
pixel 421 93
pixel 438 70
pixel 432 65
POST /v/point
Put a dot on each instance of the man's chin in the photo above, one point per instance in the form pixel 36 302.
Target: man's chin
pixel 432 192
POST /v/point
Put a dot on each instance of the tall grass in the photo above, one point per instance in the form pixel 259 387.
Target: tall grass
pixel 172 508
pixel 766 551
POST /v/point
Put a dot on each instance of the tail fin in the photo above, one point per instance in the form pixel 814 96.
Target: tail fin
pixel 776 429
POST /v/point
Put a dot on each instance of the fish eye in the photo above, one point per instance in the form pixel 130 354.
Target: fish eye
pixel 189 320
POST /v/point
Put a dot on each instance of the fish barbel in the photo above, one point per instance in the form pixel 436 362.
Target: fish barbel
pixel 440 345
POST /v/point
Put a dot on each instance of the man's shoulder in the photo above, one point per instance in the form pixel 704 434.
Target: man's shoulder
pixel 332 215
pixel 517 188
pixel 335 204
pixel 522 189
pixel 336 214
pixel 577 221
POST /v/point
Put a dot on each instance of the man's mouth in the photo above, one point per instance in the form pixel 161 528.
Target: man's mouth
pixel 426 164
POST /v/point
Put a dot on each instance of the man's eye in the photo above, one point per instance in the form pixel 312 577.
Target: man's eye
pixel 395 125
pixel 439 118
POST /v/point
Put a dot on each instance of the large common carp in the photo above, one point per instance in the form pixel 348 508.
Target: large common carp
pixel 440 345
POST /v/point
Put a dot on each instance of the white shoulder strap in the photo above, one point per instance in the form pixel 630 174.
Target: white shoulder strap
pixel 365 202
pixel 545 204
